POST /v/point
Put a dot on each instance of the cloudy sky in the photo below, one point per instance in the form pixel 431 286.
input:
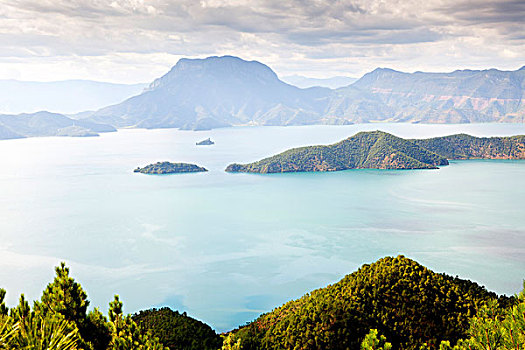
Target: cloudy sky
pixel 139 40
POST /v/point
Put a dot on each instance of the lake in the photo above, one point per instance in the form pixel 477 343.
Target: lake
pixel 227 247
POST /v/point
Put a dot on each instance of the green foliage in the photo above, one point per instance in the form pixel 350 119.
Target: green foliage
pixel 178 331
pixel 403 300
pixel 3 308
pixel 59 322
pixel 374 341
pixel 7 331
pixel 126 334
pixel 231 342
pixel 46 333
pixel 494 329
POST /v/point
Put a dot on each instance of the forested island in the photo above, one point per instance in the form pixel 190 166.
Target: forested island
pixel 393 303
pixel 169 168
pixel 381 150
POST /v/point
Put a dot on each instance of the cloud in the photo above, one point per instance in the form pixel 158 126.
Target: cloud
pixel 312 37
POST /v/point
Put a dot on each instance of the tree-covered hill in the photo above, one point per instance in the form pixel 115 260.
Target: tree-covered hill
pixel 394 303
pixel 381 150
pixel 178 331
pixel 464 146
pixel 408 303
pixel 372 150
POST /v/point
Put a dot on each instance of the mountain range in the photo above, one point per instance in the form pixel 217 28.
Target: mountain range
pixel 225 91
pixel 202 94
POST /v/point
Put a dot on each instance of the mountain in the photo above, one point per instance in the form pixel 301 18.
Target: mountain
pixel 463 96
pixel 47 124
pixel 365 150
pixel 408 303
pixel 66 97
pixel 216 92
pixel 306 82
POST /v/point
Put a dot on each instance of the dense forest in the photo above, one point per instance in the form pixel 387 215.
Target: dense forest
pixel 381 150
pixel 394 303
pixel 178 331
pixel 464 146
pixel 406 302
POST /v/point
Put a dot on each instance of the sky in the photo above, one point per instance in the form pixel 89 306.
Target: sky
pixel 130 41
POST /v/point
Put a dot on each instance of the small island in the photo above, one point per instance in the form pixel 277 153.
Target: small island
pixel 169 168
pixel 381 150
pixel 206 142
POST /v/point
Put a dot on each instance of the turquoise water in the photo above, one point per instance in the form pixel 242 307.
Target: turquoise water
pixel 227 247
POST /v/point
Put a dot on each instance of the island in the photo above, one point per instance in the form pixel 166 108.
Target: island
pixel 381 150
pixel 169 168
pixel 206 142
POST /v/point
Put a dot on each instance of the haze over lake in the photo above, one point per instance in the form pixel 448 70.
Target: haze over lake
pixel 227 247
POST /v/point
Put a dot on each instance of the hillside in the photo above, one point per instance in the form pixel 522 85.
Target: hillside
pixel 178 331
pixel 408 303
pixel 464 146
pixel 47 124
pixel 365 150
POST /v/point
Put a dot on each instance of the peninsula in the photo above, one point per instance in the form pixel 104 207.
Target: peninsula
pixel 381 150
pixel 169 168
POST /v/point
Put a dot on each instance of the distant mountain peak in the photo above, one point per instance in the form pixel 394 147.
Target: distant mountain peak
pixel 219 67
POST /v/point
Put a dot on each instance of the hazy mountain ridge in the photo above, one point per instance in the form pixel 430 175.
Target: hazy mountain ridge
pixel 47 124
pixel 224 91
pixel 65 97
pixel 463 96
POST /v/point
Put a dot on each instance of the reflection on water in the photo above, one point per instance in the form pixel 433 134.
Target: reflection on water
pixel 226 247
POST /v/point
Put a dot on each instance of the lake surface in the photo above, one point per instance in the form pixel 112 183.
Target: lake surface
pixel 227 247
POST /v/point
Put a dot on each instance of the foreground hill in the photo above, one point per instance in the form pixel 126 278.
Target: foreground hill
pixel 223 91
pixel 380 150
pixel 413 306
pixel 408 303
pixel 178 331
pixel 365 150
pixel 47 124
